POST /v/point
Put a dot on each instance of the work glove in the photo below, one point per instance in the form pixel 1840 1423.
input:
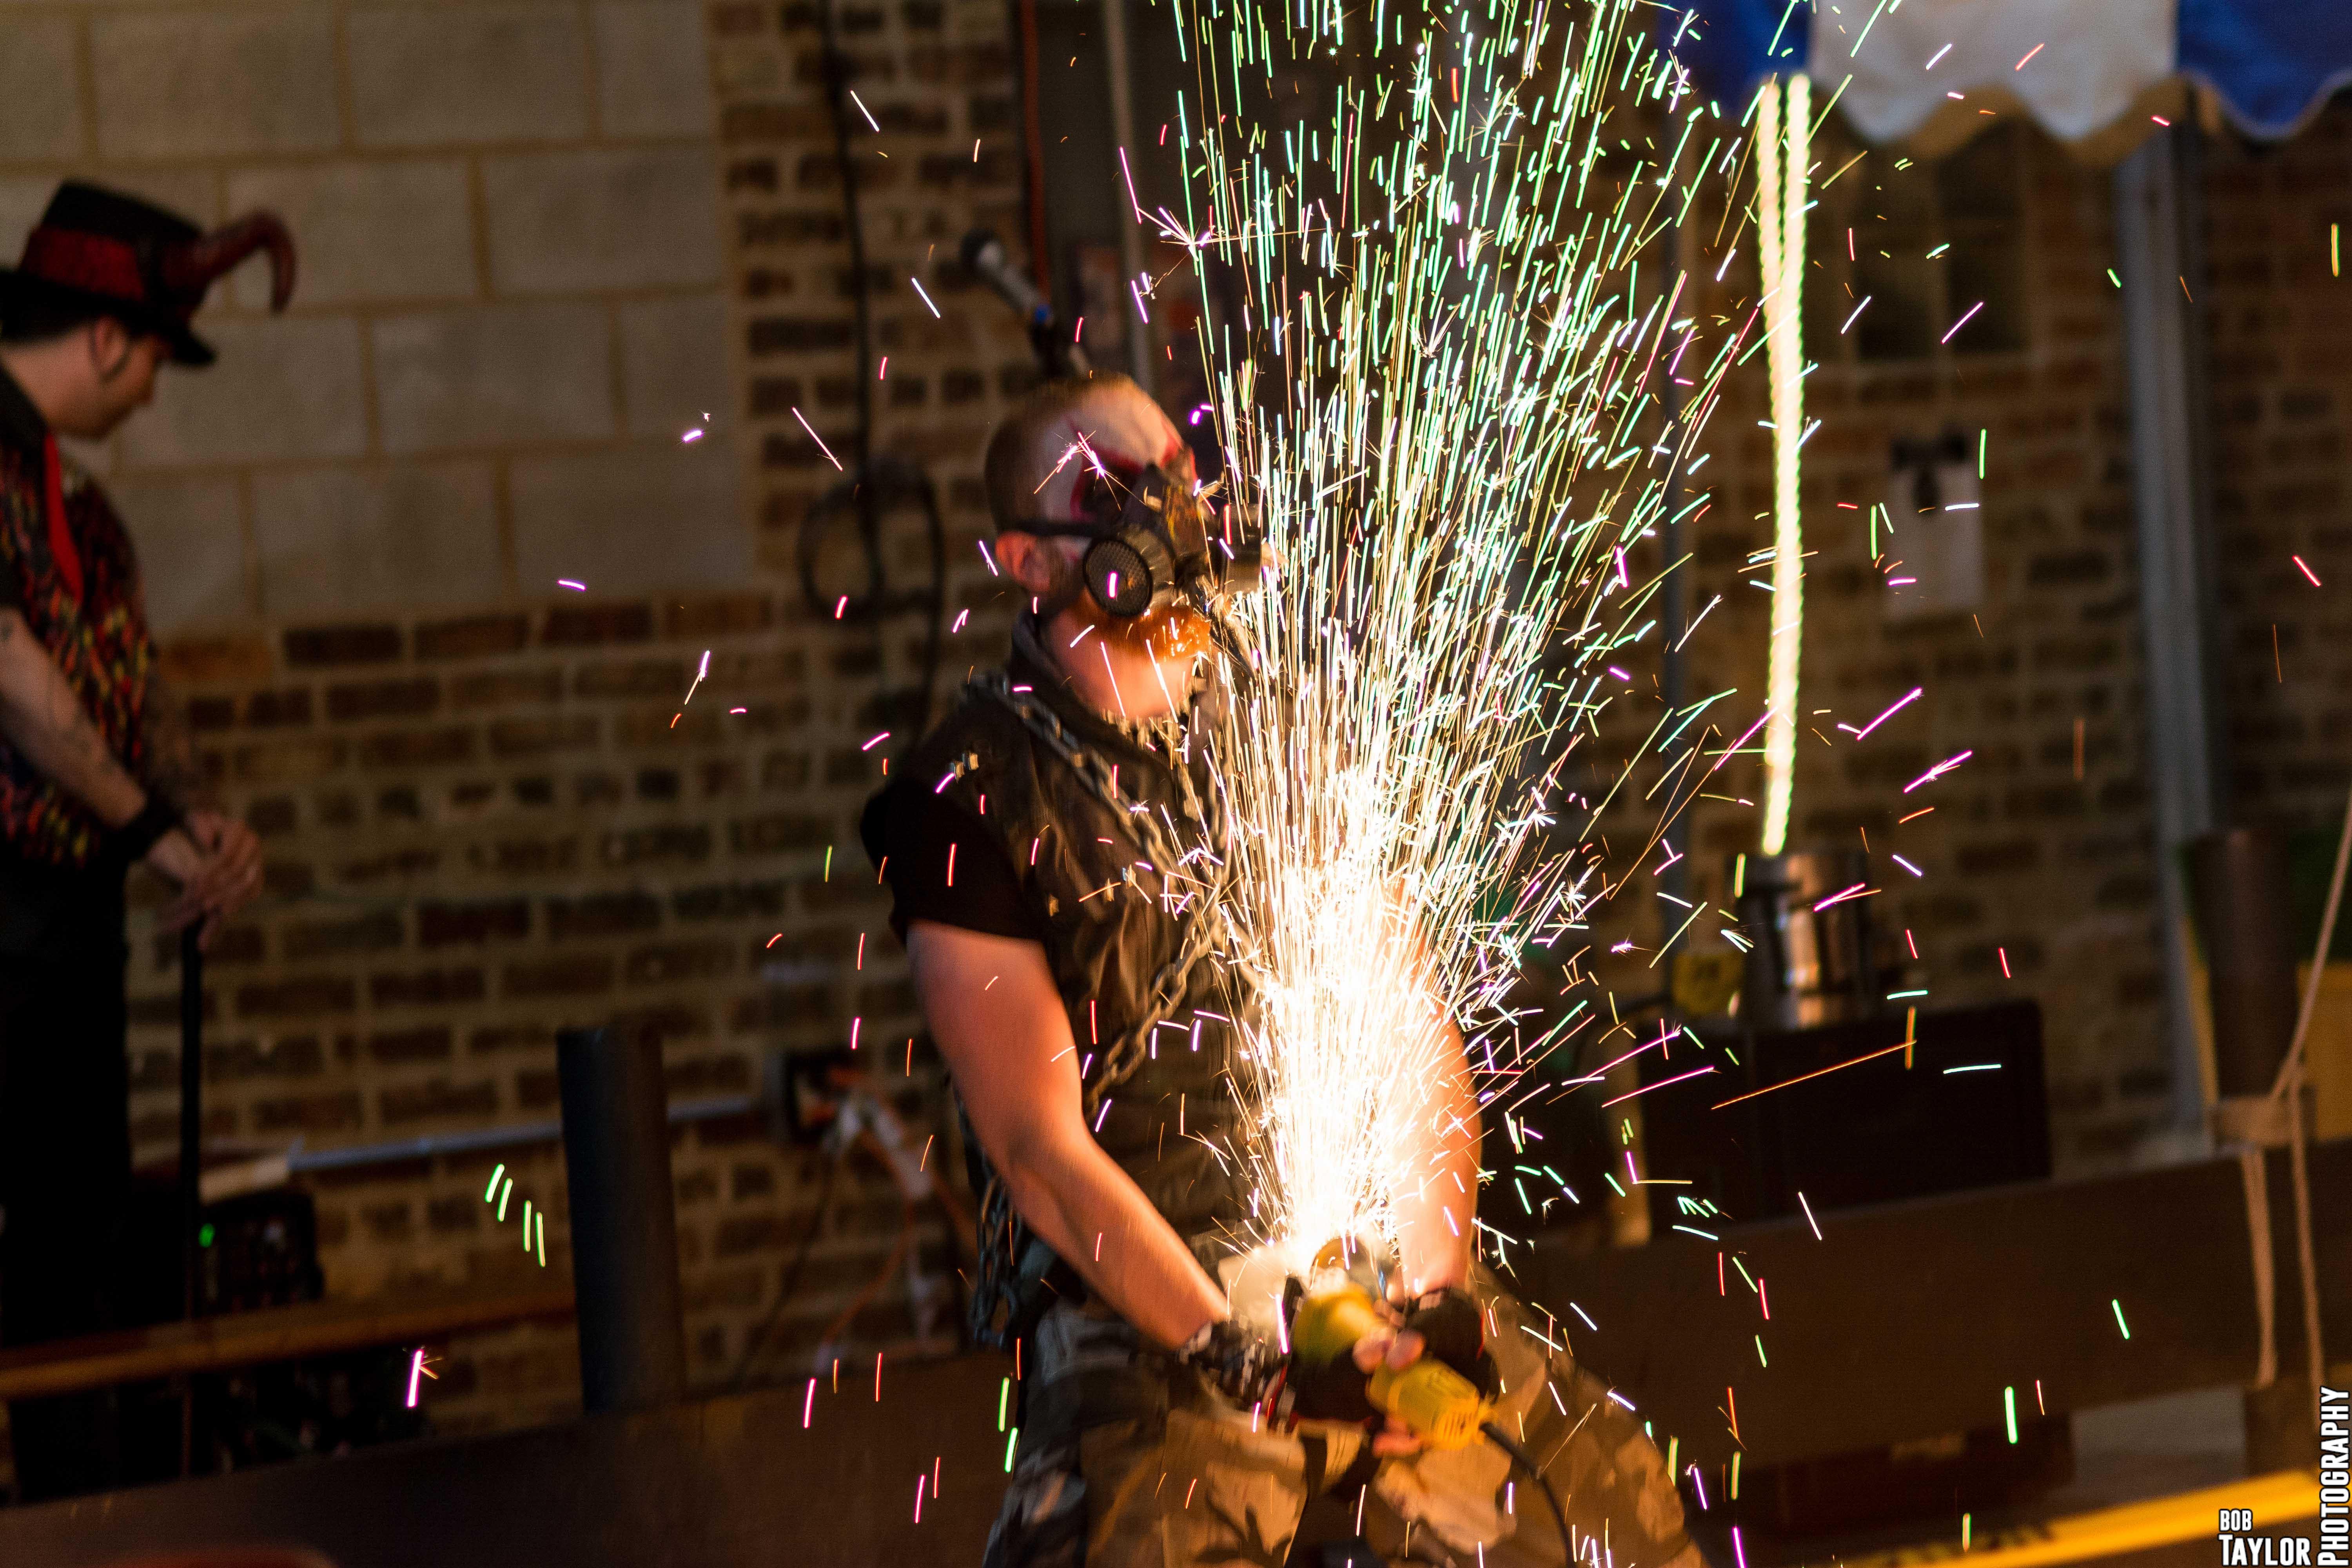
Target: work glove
pixel 1243 1366
pixel 1332 1388
pixel 1453 1330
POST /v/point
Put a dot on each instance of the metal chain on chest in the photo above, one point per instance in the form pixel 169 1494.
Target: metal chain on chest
pixel 1010 1287
pixel 1198 927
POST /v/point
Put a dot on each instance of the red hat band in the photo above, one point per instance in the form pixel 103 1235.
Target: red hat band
pixel 173 279
pixel 91 262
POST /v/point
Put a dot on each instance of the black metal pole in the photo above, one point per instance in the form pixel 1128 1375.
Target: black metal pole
pixel 624 1221
pixel 191 1111
pixel 2237 889
pixel 1674 612
pixel 192 1160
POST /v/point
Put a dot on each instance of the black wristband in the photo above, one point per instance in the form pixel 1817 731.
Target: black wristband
pixel 1453 1330
pixel 1242 1367
pixel 135 837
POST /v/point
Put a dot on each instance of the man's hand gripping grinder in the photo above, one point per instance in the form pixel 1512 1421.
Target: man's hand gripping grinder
pixel 1441 1406
pixel 1438 1403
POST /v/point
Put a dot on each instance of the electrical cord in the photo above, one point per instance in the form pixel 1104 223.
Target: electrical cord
pixel 1495 1435
pixel 874 488
pixel 790 1280
pixel 872 1286
pixel 870 487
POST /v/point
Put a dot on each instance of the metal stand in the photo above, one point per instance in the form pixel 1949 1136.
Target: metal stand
pixel 2238 886
pixel 624 1220
pixel 191 1113
pixel 192 1156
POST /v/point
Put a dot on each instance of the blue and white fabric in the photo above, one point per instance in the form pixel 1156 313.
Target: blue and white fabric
pixel 2077 67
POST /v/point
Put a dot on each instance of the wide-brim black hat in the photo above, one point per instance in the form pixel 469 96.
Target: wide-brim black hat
pixel 147 267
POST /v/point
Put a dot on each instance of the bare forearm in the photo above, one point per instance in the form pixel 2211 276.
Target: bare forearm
pixel 45 722
pixel 1437 1218
pixel 1092 1215
pixel 999 1022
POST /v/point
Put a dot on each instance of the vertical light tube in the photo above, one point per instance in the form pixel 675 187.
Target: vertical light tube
pixel 1784 159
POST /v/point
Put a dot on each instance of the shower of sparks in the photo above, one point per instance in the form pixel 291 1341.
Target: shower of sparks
pixel 1440 375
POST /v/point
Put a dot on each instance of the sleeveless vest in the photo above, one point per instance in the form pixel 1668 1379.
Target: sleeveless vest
pixel 1114 836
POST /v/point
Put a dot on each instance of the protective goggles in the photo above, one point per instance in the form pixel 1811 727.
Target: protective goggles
pixel 1152 542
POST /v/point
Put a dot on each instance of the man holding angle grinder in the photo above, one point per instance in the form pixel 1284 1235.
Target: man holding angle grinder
pixel 1050 849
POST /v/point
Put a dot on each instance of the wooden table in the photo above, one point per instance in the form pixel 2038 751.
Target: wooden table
pixel 270 1334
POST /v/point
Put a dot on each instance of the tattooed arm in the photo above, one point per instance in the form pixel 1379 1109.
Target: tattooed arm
pixel 44 722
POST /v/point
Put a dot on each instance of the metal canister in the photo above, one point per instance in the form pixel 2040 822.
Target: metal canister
pixel 1807 915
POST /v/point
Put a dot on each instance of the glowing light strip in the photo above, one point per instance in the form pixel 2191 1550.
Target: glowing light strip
pixel 1785 150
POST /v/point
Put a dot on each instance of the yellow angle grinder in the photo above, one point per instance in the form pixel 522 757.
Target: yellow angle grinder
pixel 1439 1404
pixel 1441 1407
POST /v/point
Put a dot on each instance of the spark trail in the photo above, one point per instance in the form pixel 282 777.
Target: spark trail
pixel 1440 337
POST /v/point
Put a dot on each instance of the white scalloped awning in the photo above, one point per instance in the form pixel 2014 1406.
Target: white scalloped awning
pixel 2098 74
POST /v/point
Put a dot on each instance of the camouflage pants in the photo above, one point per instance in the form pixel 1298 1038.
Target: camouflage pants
pixel 1135 1464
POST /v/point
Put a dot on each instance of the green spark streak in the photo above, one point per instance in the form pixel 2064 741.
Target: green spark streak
pixel 1435 359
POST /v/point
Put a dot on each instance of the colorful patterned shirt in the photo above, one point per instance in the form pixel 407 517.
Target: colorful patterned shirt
pixel 98 637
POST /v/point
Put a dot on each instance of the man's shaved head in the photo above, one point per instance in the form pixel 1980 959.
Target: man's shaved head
pixel 1115 416
pixel 1033 478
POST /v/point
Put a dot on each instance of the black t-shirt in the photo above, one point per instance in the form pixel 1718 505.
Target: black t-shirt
pixel 912 840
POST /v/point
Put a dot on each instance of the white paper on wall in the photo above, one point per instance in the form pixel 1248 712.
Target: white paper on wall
pixel 1934 546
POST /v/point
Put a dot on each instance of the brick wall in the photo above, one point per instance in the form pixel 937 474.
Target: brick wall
pixel 2281 364
pixel 539 242
pixel 2024 857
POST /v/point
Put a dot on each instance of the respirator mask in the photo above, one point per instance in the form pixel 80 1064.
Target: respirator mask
pixel 1154 542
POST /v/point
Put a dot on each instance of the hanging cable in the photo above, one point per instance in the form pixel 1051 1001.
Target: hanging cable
pixel 788 1282
pixel 1033 133
pixel 1520 1457
pixel 871 488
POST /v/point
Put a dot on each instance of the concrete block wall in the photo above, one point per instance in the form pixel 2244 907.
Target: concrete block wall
pixel 540 241
pixel 512 272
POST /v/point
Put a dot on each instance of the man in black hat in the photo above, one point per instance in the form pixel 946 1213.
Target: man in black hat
pixel 90 780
